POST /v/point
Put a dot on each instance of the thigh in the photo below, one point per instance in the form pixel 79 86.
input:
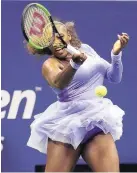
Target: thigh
pixel 61 157
pixel 100 153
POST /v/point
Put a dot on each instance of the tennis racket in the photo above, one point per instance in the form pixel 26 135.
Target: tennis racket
pixel 39 29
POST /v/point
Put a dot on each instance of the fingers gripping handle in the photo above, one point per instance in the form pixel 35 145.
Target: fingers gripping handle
pixel 72 50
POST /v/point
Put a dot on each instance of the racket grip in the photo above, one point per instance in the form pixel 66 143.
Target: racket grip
pixel 72 50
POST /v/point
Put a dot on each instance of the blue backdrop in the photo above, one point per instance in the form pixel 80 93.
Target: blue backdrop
pixel 25 93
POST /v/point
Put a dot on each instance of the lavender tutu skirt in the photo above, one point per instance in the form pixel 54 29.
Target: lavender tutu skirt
pixel 69 122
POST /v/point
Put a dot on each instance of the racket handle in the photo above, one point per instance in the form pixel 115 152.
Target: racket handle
pixel 72 50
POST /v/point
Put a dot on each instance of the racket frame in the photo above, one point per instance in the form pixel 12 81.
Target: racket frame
pixel 51 21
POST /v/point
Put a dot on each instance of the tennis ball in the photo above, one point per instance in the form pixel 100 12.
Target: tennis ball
pixel 100 91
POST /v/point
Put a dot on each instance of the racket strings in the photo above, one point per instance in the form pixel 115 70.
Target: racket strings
pixel 46 37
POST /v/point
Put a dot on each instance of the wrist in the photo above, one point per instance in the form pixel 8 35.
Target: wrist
pixel 74 65
pixel 116 52
pixel 116 56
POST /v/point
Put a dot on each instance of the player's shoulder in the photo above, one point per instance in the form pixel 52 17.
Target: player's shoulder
pixel 86 46
pixel 90 50
pixel 48 65
pixel 49 62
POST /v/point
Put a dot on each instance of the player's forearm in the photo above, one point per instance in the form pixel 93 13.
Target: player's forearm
pixel 114 72
pixel 64 77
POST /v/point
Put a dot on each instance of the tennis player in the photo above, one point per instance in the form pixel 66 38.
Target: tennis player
pixel 79 123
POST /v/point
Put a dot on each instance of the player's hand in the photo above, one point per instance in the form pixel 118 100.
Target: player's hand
pixel 120 43
pixel 79 58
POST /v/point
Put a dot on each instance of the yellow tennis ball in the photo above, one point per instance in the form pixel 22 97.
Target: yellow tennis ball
pixel 100 91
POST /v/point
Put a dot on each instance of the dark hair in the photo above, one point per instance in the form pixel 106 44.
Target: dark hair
pixel 75 41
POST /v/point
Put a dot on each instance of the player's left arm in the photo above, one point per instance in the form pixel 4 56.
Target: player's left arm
pixel 115 69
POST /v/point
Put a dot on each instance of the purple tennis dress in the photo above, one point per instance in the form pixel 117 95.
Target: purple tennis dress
pixel 79 113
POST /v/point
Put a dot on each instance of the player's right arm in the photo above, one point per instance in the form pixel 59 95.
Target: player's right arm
pixel 56 74
pixel 60 76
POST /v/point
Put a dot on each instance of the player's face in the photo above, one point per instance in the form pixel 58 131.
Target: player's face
pixel 57 49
